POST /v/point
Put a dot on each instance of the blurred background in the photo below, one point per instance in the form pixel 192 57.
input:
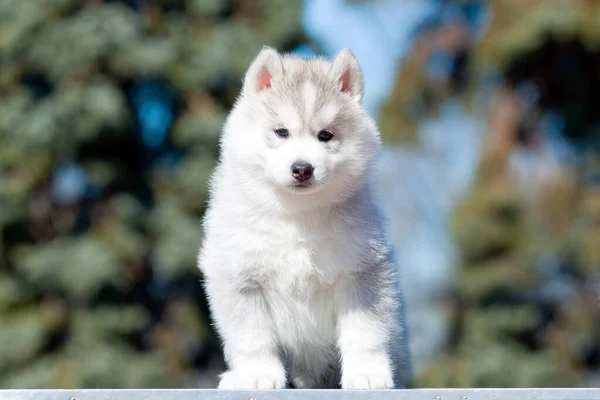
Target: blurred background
pixel 110 112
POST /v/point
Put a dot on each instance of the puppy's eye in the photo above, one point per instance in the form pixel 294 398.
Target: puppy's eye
pixel 325 136
pixel 282 133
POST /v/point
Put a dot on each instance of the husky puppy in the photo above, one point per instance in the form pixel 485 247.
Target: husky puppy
pixel 300 279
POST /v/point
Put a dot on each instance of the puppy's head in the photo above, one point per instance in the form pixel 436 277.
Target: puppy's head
pixel 299 130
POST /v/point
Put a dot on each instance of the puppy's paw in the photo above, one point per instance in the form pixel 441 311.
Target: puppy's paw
pixel 367 376
pixel 252 379
pixel 367 381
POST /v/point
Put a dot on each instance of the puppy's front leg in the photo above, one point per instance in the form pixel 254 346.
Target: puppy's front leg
pixel 250 347
pixel 365 327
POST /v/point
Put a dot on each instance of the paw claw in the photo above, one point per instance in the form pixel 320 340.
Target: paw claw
pixel 360 382
pixel 249 380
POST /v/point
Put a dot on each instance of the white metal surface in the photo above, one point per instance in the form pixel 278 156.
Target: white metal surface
pixel 412 394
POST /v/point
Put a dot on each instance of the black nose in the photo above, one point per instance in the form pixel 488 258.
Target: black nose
pixel 302 171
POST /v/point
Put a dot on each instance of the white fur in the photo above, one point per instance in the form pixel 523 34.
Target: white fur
pixel 301 282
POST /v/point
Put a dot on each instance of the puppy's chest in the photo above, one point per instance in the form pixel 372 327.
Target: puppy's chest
pixel 305 318
pixel 285 254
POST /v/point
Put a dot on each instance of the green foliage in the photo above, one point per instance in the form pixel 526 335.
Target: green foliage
pixel 25 331
pixel 520 241
pixel 59 264
pixel 103 290
pixel 97 365
pixel 177 239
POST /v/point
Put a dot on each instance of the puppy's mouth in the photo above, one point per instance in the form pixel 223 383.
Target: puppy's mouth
pixel 304 187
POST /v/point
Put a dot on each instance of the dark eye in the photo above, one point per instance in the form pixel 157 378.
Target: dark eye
pixel 325 136
pixel 282 133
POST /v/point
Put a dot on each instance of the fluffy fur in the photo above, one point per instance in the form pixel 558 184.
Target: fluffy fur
pixel 301 281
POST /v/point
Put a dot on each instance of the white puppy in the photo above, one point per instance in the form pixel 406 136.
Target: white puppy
pixel 300 279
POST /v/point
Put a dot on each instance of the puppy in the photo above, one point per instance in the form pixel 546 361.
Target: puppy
pixel 301 281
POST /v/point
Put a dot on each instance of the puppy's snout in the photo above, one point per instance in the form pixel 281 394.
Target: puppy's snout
pixel 302 170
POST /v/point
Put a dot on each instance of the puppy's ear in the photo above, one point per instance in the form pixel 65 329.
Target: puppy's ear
pixel 263 71
pixel 347 73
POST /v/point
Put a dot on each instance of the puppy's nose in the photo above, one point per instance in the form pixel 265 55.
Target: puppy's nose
pixel 302 170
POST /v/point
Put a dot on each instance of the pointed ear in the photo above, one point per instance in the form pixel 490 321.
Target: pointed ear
pixel 348 75
pixel 266 67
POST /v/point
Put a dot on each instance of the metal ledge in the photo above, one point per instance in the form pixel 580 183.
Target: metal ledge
pixel 199 394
